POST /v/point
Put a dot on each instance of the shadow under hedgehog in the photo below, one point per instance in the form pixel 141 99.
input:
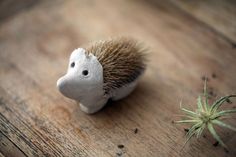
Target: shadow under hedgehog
pixel 105 69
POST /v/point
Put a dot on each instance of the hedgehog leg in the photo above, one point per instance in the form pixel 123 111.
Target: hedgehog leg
pixel 90 110
pixel 123 91
pixel 94 105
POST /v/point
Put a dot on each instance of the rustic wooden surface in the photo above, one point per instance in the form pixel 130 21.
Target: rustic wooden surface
pixel 187 40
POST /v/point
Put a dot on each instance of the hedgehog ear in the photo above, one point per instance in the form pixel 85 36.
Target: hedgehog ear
pixel 77 53
pixel 90 56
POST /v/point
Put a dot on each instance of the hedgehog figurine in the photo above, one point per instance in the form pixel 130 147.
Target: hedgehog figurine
pixel 104 70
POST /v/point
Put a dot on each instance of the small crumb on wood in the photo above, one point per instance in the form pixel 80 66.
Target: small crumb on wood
pixel 119 154
pixel 216 144
pixel 186 130
pixel 228 101
pixel 233 45
pixel 120 146
pixel 136 130
pixel 211 93
pixel 213 75
pixel 226 150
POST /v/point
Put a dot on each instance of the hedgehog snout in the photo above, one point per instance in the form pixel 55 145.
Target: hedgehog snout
pixel 61 85
pixel 66 87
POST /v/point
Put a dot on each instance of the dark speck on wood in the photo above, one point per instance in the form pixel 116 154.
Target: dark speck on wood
pixel 226 150
pixel 211 93
pixel 213 75
pixel 120 146
pixel 118 154
pixel 228 101
pixel 233 45
pixel 216 144
pixel 136 130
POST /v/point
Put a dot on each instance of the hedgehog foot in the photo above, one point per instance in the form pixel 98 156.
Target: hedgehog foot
pixel 92 109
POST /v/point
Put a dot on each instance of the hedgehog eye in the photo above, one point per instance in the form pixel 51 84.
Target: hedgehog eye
pixel 72 64
pixel 85 72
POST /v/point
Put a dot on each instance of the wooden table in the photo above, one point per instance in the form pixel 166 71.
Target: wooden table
pixel 187 40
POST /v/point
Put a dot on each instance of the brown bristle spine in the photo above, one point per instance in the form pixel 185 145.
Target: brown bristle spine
pixel 123 61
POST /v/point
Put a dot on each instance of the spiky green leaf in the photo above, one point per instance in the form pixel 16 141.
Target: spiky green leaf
pixel 199 103
pixel 190 113
pixel 223 113
pixel 205 93
pixel 219 102
pixel 192 131
pixel 215 135
pixel 206 116
pixel 187 121
pixel 194 128
pixel 200 130
pixel 222 124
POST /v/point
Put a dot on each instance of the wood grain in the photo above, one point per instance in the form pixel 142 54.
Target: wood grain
pixel 220 16
pixel 9 8
pixel 1 155
pixel 36 120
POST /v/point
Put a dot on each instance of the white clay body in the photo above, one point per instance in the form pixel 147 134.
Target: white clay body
pixel 88 89
pixel 124 91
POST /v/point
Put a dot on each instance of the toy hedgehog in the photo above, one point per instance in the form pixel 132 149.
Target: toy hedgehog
pixel 103 70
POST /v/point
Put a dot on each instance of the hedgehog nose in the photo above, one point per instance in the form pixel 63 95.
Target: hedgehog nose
pixel 61 84
pixel 65 87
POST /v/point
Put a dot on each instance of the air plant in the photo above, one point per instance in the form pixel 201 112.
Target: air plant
pixel 207 116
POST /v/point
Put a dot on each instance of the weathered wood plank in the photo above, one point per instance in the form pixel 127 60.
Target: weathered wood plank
pixel 220 15
pixel 1 155
pixel 34 49
pixel 10 7
pixel 9 148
